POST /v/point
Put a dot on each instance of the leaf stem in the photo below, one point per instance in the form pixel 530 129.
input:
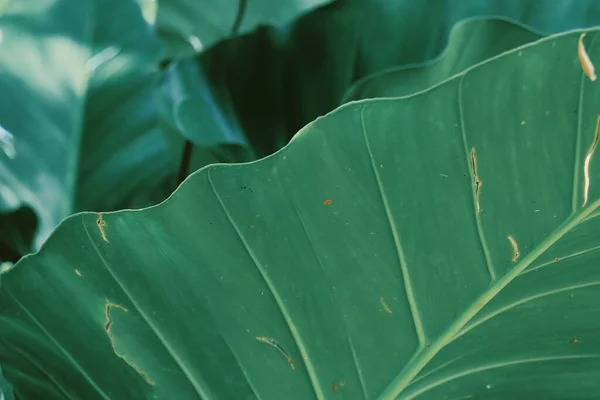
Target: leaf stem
pixel 187 146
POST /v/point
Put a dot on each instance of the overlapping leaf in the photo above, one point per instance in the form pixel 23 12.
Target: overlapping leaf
pixel 442 244
pixel 268 84
pixel 78 113
pixel 189 26
pixel 471 41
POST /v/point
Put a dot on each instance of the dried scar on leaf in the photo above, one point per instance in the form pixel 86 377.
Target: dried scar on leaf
pixel 385 306
pixel 101 225
pixel 515 248
pixel 584 59
pixel 107 309
pixel 476 181
pixel 107 327
pixel 275 344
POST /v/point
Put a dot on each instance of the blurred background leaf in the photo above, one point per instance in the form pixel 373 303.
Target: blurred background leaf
pixel 78 110
pixel 471 41
pixel 189 26
pixel 241 99
pixel 265 85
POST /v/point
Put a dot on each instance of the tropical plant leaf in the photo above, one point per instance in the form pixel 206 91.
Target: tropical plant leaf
pixel 82 133
pixel 274 81
pixel 189 26
pixel 438 245
pixel 189 111
pixel 470 42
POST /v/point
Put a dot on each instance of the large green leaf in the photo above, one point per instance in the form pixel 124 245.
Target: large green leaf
pixel 471 41
pixel 274 81
pixel 78 104
pixel 189 26
pixel 442 245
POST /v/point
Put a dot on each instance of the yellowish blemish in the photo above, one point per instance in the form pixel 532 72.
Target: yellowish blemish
pixel 101 226
pixel 584 59
pixel 515 248
pixel 385 306
pixel 275 344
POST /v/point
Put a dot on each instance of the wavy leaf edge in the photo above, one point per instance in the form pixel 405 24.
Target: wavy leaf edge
pixel 302 134
pixel 443 53
pixel 423 355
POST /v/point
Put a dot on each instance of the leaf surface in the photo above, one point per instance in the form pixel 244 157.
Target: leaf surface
pixel 442 244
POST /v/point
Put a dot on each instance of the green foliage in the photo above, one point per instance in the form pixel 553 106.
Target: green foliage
pixel 78 100
pixel 415 215
pixel 189 26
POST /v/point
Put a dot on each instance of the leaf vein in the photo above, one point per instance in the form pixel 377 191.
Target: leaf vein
pixel 525 300
pixel 202 393
pixel 488 367
pixel 60 347
pixel 475 180
pixel 319 393
pixel 412 301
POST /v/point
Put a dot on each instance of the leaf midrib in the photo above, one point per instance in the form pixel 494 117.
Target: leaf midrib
pixel 421 358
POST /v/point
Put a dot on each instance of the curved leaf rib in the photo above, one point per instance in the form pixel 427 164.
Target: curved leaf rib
pixel 495 366
pixel 318 390
pixel 348 337
pixel 525 300
pixel 476 183
pixel 61 348
pixel 358 368
pixel 412 301
pixel 565 257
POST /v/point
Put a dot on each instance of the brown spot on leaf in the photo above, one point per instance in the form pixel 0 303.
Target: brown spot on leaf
pixel 327 202
pixel 575 341
pixel 334 387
